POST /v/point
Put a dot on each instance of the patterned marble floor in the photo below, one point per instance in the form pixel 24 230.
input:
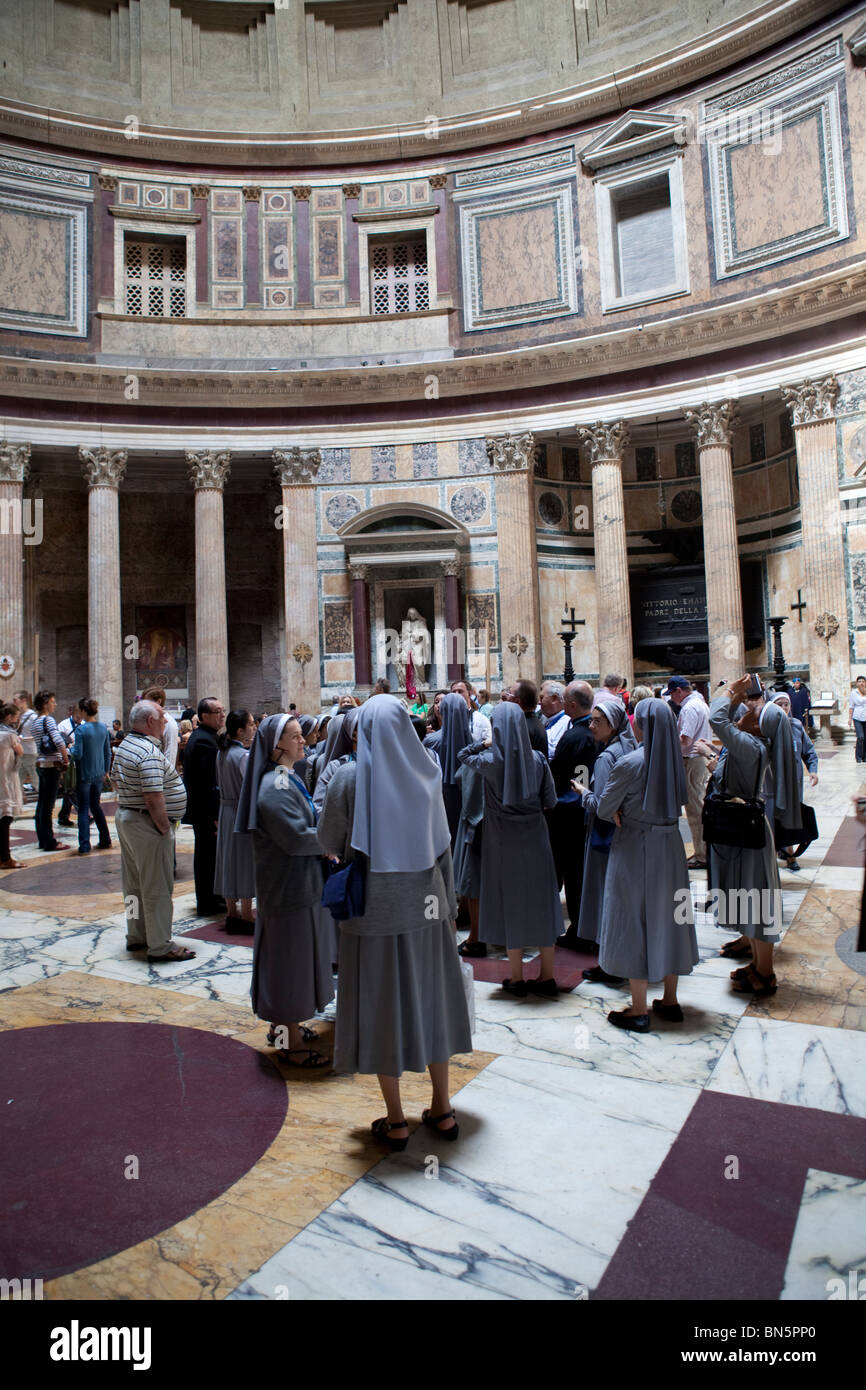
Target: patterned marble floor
pixel 577 1140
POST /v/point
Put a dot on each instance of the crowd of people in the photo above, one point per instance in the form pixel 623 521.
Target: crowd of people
pixel 352 843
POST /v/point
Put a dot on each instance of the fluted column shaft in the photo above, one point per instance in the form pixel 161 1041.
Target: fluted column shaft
pixel 104 470
pixel 812 405
pixel 714 426
pixel 13 470
pixel 297 469
pixel 606 443
pixel 208 472
pixel 513 457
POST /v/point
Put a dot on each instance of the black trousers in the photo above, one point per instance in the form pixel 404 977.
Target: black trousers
pixel 567 840
pixel 204 864
pixel 49 781
pixel 860 750
pixel 5 852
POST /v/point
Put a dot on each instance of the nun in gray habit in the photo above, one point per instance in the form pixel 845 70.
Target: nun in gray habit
pixel 610 727
pixel 292 978
pixel 456 733
pixel 519 898
pixel 340 752
pixel 401 1005
pixel 759 741
pixel 647 921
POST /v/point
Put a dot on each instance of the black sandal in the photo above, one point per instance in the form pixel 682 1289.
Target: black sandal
pixel 433 1122
pixel 474 950
pixel 380 1129
pixel 307 1034
pixel 730 951
pixel 312 1060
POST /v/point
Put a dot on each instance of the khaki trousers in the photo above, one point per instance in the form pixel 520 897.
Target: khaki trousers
pixel 697 777
pixel 147 876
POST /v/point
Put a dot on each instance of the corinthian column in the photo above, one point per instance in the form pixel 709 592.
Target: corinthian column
pixel 14 465
pixel 297 470
pixel 812 405
pixel 208 471
pixel 104 470
pixel 513 457
pixel 606 443
pixel 714 427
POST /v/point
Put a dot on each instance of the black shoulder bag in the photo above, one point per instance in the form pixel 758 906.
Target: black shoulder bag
pixel 736 822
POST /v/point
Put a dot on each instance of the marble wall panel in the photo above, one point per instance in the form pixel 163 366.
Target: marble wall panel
pixel 34 263
pixel 339 672
pixel 518 258
pixel 470 504
pixel 336 584
pixel 328 248
pixel 575 587
pixel 785 577
pixel 778 190
pixel 336 508
pixel 337 627
pixel 481 611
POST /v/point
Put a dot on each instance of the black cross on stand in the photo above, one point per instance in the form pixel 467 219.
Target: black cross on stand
pixel 799 605
pixel 568 638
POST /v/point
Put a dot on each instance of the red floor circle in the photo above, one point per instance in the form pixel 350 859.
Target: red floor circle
pixel 112 1132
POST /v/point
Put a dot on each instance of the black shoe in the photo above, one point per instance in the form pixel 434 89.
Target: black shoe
pixel 516 987
pixel 84 851
pixel 67 823
pixel 672 1012
pixel 546 989
pixel 107 845
pixel 596 976
pixel 209 909
pixel 472 950
pixel 433 1122
pixel 380 1130
pixel 634 1023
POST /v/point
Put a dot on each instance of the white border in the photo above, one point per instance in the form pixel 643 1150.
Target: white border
pixel 159 229
pixel 669 163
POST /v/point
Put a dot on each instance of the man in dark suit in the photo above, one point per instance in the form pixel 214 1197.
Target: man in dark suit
pixel 202 802
pixel 576 749
pixel 525 694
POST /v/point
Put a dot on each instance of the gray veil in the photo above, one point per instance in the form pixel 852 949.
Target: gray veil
pixel 513 752
pixel 400 821
pixel 775 727
pixel 268 735
pixel 665 791
pixel 456 734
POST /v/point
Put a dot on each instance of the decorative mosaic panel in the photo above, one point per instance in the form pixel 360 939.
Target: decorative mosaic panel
pixel 481 613
pixel 472 456
pixel 277 233
pixel 43 265
pixel 468 504
pixel 155 195
pixel 328 248
pixel 777 169
pixel 341 509
pixel 335 467
pixel 384 463
pixel 227 248
pixel 279 298
pixel 852 393
pixel 686 460
pixel 424 462
pixel 337 625
pixel 329 296
pixel 227 200
pixel 327 199
pixel 229 297
pixel 646 464
pixel 129 194
pixel 686 506
pixel 517 255
pixel 276 200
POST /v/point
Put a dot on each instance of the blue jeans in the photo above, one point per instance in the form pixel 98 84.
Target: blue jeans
pixel 87 796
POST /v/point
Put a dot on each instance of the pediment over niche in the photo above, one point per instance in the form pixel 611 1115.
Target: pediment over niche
pixel 631 135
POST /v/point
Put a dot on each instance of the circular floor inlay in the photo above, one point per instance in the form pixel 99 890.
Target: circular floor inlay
pixel 87 1105
pixel 846 950
pixel 81 877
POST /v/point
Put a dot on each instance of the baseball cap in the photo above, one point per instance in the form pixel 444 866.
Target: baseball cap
pixel 677 683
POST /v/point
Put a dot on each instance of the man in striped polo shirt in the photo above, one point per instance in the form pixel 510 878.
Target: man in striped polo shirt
pixel 151 800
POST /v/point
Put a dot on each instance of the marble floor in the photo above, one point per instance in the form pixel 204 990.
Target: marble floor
pixel 586 1155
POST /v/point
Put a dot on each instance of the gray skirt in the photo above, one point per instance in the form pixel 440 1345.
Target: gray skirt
pixel 400 1002
pixel 235 874
pixel 292 956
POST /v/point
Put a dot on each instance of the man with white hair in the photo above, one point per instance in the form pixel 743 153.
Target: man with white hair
pixel 151 800
pixel 553 713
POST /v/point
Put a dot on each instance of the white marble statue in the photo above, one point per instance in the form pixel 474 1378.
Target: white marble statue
pixel 414 638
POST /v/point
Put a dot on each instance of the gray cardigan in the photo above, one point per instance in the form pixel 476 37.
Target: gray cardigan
pixel 394 903
pixel 287 851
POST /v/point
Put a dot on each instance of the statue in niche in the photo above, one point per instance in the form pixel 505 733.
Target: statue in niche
pixel 414 638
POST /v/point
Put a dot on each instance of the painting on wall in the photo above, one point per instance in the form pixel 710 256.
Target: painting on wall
pixel 162 650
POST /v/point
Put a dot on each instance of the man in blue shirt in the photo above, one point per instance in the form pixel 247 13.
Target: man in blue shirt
pixel 92 753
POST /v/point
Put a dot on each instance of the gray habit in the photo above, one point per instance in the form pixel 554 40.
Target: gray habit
pixel 643 935
pixel 595 860
pixel 519 899
pixel 755 914
pixel 292 949
pixel 401 1003
pixel 467 846
pixel 235 875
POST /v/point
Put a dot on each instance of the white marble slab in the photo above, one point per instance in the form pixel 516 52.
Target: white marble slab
pixel 827 1259
pixel 795 1064
pixel 529 1204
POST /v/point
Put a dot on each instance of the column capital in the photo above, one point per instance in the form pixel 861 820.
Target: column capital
pixel 302 193
pixel 200 190
pixel 360 572
pixel 14 462
pixel 606 440
pixel 252 193
pixel 103 467
pixel 438 180
pixel 512 453
pixel 297 465
pixel 451 567
pixel 209 468
pixel 107 182
pixel 811 400
pixel 713 422
pixel 351 190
